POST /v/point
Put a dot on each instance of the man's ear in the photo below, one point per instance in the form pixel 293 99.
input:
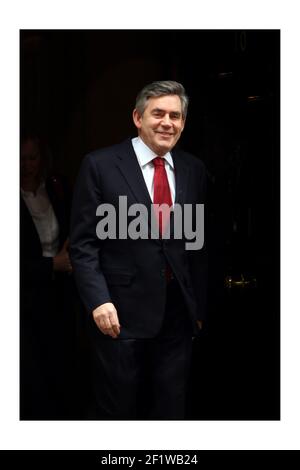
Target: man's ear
pixel 137 118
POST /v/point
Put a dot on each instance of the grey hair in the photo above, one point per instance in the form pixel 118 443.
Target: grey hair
pixel 161 88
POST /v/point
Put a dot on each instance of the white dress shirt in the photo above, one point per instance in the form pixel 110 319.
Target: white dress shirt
pixel 44 219
pixel 145 156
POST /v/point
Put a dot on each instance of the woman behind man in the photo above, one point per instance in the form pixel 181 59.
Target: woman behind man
pixel 47 322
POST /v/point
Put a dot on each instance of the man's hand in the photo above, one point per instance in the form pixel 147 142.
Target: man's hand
pixel 200 324
pixel 61 262
pixel 106 318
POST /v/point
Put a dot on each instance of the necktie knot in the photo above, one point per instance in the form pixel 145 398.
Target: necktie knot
pixel 158 162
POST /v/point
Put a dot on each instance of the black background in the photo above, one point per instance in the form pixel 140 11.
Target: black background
pixel 78 90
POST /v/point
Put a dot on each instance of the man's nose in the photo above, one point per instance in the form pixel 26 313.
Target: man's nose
pixel 166 121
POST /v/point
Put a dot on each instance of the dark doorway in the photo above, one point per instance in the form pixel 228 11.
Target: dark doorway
pixel 78 89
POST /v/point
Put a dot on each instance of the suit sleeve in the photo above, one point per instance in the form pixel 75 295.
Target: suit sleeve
pixel 84 245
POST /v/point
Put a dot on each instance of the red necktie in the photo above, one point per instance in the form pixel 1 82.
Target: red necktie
pixel 162 193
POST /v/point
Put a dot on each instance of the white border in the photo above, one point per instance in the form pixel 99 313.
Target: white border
pixel 149 435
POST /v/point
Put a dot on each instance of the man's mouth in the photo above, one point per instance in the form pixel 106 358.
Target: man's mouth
pixel 164 133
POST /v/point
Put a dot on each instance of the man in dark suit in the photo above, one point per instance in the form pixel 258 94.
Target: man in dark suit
pixel 144 293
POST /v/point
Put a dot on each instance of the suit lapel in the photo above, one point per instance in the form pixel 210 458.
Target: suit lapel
pixel 181 183
pixel 129 167
pixel 181 176
pixel 131 171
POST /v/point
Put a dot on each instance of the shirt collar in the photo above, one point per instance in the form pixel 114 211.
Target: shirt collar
pixel 145 155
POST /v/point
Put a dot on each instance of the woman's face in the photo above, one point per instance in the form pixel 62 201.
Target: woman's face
pixel 30 159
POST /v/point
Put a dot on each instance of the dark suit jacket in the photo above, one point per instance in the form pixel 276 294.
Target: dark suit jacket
pixel 131 273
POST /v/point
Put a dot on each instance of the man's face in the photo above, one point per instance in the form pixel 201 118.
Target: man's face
pixel 161 124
